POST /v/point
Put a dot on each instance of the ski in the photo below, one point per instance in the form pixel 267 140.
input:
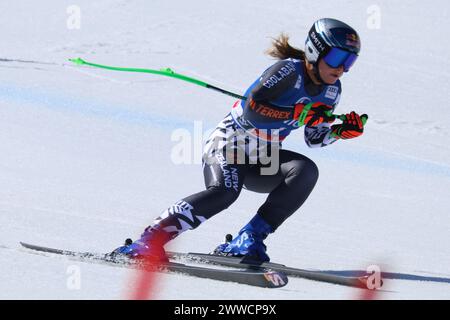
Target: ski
pixel 264 278
pixel 239 262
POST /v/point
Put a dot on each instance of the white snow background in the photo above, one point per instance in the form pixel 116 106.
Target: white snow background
pixel 85 153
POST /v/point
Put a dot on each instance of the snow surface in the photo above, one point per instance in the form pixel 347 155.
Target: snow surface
pixel 85 154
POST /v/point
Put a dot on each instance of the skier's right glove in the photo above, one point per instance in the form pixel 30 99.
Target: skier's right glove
pixel 313 114
pixel 351 127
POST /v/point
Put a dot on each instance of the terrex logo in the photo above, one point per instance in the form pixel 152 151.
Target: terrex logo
pixel 269 112
pixel 317 41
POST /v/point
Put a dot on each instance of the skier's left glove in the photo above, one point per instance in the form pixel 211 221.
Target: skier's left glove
pixel 351 127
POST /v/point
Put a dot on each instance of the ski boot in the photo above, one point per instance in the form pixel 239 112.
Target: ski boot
pixel 249 241
pixel 219 249
pixel 150 246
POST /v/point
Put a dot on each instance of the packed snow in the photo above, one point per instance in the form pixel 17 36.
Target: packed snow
pixel 86 154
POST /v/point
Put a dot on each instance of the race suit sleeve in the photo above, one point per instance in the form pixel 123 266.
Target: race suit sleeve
pixel 274 82
pixel 319 136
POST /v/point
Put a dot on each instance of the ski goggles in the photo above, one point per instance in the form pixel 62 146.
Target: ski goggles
pixel 338 57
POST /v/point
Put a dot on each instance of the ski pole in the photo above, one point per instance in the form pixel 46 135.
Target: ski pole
pixel 162 72
pixel 170 73
pixel 342 117
pixel 364 117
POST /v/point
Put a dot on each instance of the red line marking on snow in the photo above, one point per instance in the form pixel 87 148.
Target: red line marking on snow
pixel 370 288
pixel 368 295
pixel 147 278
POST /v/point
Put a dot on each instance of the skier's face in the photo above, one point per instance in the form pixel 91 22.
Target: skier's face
pixel 328 74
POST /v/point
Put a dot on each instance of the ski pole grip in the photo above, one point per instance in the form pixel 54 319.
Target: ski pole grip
pixel 303 114
pixel 364 117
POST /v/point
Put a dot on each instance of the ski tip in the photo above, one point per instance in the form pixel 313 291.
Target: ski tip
pixel 27 245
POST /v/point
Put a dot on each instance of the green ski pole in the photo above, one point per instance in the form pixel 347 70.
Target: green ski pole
pixel 170 73
pixel 162 72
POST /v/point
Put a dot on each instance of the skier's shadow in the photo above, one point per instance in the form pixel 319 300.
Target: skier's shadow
pixel 389 275
pixel 384 275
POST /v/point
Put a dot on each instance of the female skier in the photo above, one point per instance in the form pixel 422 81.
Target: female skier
pixel 302 88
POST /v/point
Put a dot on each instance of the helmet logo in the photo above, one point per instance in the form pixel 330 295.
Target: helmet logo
pixel 352 40
pixel 317 41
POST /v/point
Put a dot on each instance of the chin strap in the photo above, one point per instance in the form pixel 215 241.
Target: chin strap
pixel 315 71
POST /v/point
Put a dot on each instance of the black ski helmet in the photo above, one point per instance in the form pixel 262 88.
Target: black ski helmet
pixel 329 33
